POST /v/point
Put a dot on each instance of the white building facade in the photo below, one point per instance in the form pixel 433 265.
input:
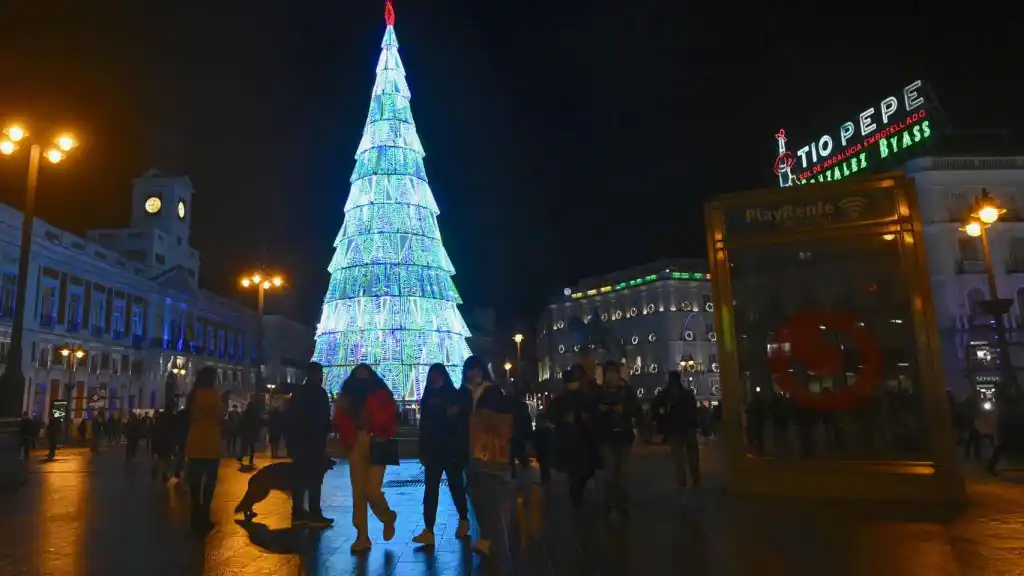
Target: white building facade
pixel 946 187
pixel 654 318
pixel 287 348
pixel 129 300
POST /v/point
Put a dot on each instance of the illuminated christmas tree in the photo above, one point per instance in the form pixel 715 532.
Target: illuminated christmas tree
pixel 391 302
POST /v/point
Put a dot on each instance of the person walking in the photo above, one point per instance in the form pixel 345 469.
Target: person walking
pixel 26 432
pixel 681 428
pixel 132 432
pixel 203 445
pixel 366 418
pixel 573 414
pixel 308 424
pixel 54 431
pixel 444 449
pixel 490 427
pixel 248 432
pixel 617 409
pixel 274 431
pixel 233 424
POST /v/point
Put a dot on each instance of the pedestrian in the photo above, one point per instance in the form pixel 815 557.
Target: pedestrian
pixel 682 423
pixel 54 430
pixel 573 413
pixel 274 430
pixel 543 443
pixel 163 444
pixel 490 427
pixel 617 410
pixel 26 430
pixel 233 424
pixel 366 418
pixel 203 447
pixel 132 434
pixel 444 449
pixel 308 422
pixel 248 430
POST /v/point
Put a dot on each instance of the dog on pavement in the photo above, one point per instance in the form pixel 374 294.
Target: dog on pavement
pixel 277 476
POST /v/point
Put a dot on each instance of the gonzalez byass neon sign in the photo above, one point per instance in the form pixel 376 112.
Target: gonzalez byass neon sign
pixel 835 156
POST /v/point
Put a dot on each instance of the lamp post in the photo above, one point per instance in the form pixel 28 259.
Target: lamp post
pixel 73 354
pixel 270 394
pixel 178 373
pixel 261 282
pixel 508 368
pixel 984 212
pixel 12 382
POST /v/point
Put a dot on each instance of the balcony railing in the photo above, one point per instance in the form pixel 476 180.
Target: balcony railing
pixel 97 331
pixel 47 321
pixel 117 334
pixel 74 326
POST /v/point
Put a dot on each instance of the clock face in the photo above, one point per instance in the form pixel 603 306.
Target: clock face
pixel 153 205
pixel 181 209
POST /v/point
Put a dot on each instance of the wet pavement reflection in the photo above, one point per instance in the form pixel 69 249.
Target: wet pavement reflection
pixel 95 515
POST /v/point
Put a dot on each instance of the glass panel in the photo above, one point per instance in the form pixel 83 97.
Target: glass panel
pixel 826 348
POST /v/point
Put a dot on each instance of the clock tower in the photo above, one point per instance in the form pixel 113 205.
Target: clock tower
pixel 161 202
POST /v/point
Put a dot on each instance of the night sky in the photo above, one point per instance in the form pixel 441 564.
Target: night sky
pixel 563 139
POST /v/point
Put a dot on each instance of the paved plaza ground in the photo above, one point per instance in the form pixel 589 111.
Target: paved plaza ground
pixel 94 515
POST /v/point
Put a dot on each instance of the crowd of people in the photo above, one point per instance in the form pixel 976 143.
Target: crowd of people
pixel 475 434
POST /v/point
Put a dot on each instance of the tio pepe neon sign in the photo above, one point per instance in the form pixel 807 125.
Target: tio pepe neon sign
pixel 877 134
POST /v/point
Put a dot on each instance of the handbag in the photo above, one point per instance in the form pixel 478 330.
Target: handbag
pixel 383 451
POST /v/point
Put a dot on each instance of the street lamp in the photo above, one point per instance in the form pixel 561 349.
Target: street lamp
pixel 984 212
pixel 73 354
pixel 12 382
pixel 262 282
pixel 508 367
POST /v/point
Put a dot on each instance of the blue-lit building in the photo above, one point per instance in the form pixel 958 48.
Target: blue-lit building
pixel 653 318
pixel 130 301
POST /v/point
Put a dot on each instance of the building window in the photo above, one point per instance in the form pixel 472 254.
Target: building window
pixel 99 310
pixel 136 321
pixel 117 316
pixel 74 309
pixel 159 258
pixel 970 249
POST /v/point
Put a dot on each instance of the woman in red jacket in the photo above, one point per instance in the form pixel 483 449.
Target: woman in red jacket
pixel 366 410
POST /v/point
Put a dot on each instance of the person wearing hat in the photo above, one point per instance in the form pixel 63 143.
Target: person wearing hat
pixel 617 409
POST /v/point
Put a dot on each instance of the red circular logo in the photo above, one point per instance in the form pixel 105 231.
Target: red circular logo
pixel 807 347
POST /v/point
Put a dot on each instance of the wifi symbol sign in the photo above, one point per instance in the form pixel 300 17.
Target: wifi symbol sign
pixel 852 205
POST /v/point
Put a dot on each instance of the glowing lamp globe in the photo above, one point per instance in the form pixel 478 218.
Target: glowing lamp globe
pixel 989 214
pixel 973 229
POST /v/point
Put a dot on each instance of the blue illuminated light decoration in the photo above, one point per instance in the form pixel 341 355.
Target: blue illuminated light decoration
pixel 391 302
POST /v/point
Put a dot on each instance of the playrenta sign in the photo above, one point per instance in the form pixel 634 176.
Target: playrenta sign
pixel 898 122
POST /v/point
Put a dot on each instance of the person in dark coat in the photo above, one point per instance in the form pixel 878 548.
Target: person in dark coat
pixel 543 444
pixel 617 411
pixel 26 435
pixel 681 425
pixel 308 422
pixel 444 448
pixel 573 415
pixel 249 431
pixel 54 430
pixel 275 426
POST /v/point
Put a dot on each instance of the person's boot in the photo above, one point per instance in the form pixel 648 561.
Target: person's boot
pixel 362 544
